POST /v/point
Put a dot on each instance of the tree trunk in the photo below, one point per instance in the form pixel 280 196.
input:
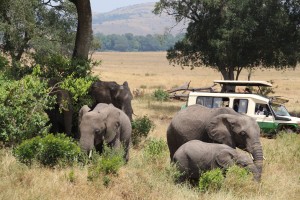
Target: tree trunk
pixel 84 29
pixel 228 74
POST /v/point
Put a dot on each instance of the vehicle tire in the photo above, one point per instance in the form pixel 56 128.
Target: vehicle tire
pixel 288 130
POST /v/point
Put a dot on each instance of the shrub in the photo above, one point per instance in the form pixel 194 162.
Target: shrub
pixel 22 105
pixel 141 127
pixel 155 148
pixel 161 95
pixel 78 88
pixel 49 151
pixel 109 162
pixel 237 177
pixel 211 180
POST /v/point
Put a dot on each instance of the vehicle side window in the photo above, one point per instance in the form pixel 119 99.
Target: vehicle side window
pixel 262 109
pixel 213 102
pixel 220 102
pixel 205 101
pixel 240 105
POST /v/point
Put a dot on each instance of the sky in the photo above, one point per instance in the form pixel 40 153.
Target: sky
pixel 101 6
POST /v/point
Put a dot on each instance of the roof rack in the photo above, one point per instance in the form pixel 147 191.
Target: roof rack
pixel 243 83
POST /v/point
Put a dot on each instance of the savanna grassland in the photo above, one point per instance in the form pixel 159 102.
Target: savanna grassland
pixel 144 178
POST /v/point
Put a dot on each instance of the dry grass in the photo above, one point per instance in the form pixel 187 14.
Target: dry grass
pixel 151 179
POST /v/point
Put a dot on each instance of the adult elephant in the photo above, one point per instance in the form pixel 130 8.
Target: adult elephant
pixel 111 92
pixel 195 157
pixel 61 115
pixel 105 123
pixel 216 125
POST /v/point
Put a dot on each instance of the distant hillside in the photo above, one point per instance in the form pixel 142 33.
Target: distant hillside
pixel 137 19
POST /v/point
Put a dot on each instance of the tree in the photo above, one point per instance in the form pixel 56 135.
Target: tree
pixel 235 34
pixel 36 27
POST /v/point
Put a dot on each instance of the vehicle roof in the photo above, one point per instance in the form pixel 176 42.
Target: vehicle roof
pixel 244 83
pixel 231 95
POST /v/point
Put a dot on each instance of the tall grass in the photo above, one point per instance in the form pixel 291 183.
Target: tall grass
pixel 144 178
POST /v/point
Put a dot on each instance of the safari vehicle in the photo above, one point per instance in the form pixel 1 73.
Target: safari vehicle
pixel 269 112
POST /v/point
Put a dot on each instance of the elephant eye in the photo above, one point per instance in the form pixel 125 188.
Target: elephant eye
pixel 242 133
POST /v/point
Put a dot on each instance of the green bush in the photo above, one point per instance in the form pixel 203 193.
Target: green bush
pixel 211 180
pixel 22 105
pixel 141 127
pixel 78 88
pixel 155 148
pixel 3 63
pixel 49 151
pixel 237 177
pixel 109 162
pixel 161 95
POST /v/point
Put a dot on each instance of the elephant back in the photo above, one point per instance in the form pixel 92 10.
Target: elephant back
pixel 111 92
pixel 102 91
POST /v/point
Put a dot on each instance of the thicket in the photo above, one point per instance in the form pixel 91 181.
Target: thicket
pixel 22 105
pixel 24 98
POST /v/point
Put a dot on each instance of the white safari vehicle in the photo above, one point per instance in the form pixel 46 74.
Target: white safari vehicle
pixel 269 112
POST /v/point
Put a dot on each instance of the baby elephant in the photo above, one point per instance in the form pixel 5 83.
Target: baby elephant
pixel 195 157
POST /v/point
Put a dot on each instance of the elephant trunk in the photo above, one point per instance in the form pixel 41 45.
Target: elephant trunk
pixel 86 144
pixel 127 108
pixel 256 174
pixel 257 154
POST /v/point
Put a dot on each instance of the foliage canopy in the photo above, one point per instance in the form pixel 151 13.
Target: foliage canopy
pixel 236 34
pixel 36 25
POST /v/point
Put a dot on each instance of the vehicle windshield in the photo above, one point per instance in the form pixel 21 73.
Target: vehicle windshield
pixel 280 110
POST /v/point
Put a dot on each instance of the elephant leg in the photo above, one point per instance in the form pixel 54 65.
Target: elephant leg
pixel 172 142
pixel 68 122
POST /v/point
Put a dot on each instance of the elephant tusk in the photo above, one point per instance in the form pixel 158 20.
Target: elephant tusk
pixel 251 156
pixel 90 153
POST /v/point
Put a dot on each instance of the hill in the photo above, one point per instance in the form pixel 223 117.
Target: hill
pixel 136 19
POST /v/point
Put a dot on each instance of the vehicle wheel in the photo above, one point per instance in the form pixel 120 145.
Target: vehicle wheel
pixel 288 130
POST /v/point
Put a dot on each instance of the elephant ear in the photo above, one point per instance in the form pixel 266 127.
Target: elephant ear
pixel 82 111
pixel 219 131
pixel 125 84
pixel 226 158
pixel 235 124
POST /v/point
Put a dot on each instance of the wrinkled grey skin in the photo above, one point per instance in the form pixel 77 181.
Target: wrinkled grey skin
pixel 216 125
pixel 196 157
pixel 111 92
pixel 61 115
pixel 105 123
